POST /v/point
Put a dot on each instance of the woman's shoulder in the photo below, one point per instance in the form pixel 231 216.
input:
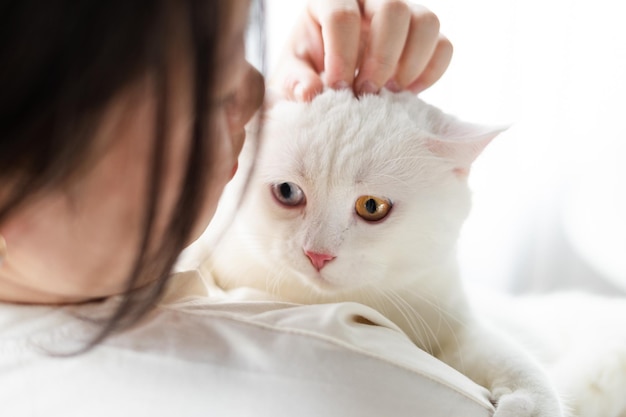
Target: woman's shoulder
pixel 233 357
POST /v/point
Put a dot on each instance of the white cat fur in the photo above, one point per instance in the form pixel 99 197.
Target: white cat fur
pixel 579 338
pixel 395 146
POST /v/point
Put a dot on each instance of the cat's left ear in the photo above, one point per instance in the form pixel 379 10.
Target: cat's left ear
pixel 462 142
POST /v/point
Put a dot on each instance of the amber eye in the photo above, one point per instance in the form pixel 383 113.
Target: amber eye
pixel 372 208
pixel 288 194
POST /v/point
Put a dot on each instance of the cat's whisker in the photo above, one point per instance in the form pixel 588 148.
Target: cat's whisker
pixel 435 303
pixel 275 278
pixel 434 334
pixel 445 316
pixel 371 298
pixel 409 315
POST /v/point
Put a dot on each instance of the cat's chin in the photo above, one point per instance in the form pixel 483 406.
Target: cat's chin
pixel 320 283
pixel 315 281
pixel 326 285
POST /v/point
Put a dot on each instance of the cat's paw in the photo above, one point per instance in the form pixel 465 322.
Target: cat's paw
pixel 521 403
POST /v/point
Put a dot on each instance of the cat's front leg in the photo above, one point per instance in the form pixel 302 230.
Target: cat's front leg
pixel 518 385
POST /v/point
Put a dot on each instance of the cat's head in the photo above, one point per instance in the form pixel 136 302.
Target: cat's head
pixel 349 192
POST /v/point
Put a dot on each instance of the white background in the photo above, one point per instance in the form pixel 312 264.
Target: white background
pixel 549 194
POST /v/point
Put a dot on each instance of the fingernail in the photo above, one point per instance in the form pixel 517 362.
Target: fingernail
pixel 367 87
pixel 392 86
pixel 298 92
pixel 341 85
pixel 418 88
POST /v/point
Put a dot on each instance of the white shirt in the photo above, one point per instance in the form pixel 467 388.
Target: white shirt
pixel 226 355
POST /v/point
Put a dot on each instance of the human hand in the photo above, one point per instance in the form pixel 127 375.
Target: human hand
pixel 363 45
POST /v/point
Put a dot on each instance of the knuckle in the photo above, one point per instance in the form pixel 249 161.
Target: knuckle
pixel 445 46
pixel 343 16
pixel 396 9
pixel 427 21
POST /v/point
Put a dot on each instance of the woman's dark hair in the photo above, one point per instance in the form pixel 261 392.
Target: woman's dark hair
pixel 61 62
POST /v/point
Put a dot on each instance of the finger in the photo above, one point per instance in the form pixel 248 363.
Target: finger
pixel 340 22
pixel 436 67
pixel 420 46
pixel 389 29
pixel 299 81
pixel 298 73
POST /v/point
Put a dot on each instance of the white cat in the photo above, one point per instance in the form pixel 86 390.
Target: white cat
pixel 363 200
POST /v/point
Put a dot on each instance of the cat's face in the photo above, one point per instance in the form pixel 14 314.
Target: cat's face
pixel 353 193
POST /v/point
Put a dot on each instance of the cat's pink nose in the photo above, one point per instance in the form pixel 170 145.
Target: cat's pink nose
pixel 319 259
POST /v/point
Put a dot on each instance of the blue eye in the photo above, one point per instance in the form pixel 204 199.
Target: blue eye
pixel 288 194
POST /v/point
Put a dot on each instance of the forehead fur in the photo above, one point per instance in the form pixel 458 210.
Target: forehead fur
pixel 339 136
